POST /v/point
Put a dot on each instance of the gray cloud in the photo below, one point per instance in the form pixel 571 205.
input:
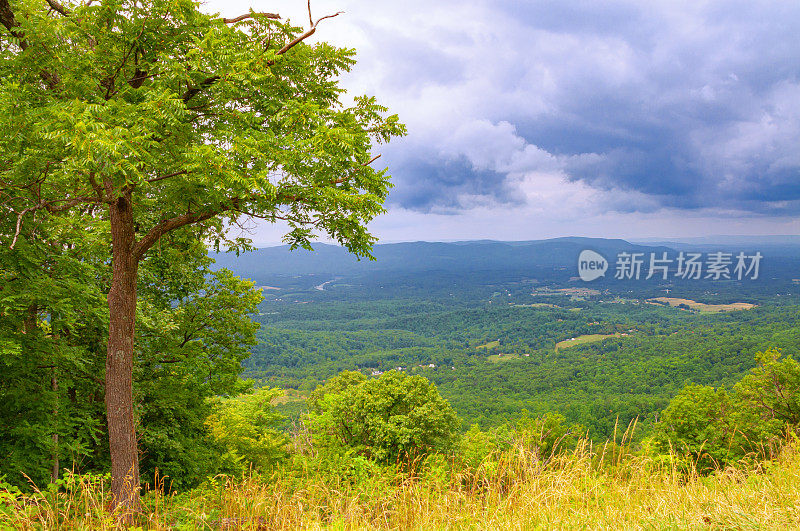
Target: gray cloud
pixel 689 106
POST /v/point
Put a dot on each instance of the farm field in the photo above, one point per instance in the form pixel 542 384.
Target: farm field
pixel 490 344
pixel 584 339
pixel 702 307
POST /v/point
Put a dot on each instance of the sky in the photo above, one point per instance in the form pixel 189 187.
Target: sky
pixel 538 119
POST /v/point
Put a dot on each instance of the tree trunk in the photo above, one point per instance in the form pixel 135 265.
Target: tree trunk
pixel 54 436
pixel 119 359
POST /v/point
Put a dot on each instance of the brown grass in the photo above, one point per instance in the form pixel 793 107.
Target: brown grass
pixel 702 307
pixel 516 490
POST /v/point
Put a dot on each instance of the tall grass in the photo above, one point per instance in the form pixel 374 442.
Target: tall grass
pixel 589 487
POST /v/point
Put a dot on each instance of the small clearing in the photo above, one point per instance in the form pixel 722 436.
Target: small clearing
pixel 700 306
pixel 582 340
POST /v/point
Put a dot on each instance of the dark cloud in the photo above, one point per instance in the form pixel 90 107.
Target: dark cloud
pixel 437 184
pixel 679 104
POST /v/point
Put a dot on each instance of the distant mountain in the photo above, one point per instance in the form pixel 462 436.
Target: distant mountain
pixel 417 257
pixel 727 240
pixel 769 246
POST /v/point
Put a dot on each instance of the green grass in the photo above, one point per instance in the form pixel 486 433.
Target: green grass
pixel 490 344
pixel 583 340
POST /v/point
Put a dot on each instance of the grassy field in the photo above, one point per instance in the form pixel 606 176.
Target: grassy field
pixel 518 490
pixel 490 344
pixel 702 307
pixel 582 340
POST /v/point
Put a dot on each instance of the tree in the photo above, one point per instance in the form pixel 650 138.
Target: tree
pixel 157 119
pixel 697 422
pixel 195 330
pixel 716 428
pixel 772 388
pixel 245 427
pixel 395 416
pixel 51 332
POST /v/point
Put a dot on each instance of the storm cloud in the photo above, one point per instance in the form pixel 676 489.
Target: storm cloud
pixel 694 105
pixel 608 107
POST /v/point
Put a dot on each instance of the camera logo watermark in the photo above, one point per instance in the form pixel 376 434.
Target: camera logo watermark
pixel 591 265
pixel 685 265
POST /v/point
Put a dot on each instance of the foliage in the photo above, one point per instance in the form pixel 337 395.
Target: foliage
pixel 153 125
pixel 717 428
pixel 195 329
pixel 244 428
pixel 595 385
pixel 394 417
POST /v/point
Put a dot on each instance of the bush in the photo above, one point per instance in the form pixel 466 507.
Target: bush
pixel 395 417
pixel 245 428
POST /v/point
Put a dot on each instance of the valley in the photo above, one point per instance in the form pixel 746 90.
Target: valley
pixel 507 340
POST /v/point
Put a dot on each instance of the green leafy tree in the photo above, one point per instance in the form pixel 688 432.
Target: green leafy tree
pixel 191 345
pixel 769 402
pixel 336 385
pixel 194 331
pixel 697 423
pixel 395 416
pixel 157 119
pixel 245 428
pixel 772 388
pixel 51 332
pixel 715 427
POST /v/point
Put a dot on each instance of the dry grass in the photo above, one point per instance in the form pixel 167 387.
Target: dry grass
pixel 702 307
pixel 515 490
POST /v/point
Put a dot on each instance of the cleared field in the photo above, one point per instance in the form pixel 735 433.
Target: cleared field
pixel 582 340
pixel 490 344
pixel 700 306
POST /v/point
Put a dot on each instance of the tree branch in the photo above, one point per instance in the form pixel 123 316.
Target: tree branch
pixel 19 225
pixel 250 15
pixel 192 92
pixel 51 207
pixel 167 176
pixel 8 20
pixel 304 36
pixel 340 180
pixel 153 235
pixel 58 7
pixel 68 203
